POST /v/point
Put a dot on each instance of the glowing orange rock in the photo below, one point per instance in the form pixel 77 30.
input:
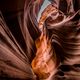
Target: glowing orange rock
pixel 44 62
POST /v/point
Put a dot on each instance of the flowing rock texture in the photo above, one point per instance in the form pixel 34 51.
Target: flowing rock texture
pixel 52 44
